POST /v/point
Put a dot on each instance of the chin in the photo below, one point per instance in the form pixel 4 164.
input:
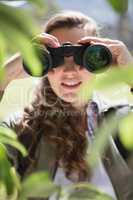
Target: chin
pixel 69 98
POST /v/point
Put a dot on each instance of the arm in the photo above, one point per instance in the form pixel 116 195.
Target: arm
pixel 13 70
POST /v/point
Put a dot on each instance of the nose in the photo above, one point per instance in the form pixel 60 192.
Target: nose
pixel 70 65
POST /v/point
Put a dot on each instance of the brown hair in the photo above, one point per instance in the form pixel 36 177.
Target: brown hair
pixel 61 125
pixel 70 19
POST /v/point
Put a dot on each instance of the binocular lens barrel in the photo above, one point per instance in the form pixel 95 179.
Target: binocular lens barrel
pixel 95 58
pixel 45 60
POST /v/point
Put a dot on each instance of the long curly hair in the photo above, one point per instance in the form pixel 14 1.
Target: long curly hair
pixel 60 124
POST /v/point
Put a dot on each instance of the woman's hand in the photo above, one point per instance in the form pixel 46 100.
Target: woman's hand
pixel 120 53
pixel 48 40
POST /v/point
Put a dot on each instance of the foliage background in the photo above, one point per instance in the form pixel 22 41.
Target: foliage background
pixel 20 35
pixel 114 18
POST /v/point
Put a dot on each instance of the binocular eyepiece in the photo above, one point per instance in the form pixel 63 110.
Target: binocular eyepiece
pixel 95 58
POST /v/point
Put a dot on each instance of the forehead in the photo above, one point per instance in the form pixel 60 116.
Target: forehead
pixel 70 34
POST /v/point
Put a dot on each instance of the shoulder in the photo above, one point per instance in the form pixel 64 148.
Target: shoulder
pixel 103 113
pixel 107 104
pixel 118 112
pixel 13 118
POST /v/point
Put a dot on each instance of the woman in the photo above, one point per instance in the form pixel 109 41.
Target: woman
pixel 54 127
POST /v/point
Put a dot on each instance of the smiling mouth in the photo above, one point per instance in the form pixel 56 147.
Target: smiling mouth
pixel 71 85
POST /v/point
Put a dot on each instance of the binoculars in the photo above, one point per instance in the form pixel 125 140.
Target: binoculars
pixel 95 58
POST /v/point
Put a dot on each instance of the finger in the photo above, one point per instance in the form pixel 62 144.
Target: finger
pixel 99 43
pixel 114 48
pixel 50 36
pixel 96 39
pixel 116 52
pixel 48 39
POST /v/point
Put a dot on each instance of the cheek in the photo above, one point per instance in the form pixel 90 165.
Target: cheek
pixel 54 77
pixel 86 75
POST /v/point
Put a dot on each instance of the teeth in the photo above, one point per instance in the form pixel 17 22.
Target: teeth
pixel 71 83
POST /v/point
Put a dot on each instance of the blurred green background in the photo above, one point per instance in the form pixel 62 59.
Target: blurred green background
pixel 115 20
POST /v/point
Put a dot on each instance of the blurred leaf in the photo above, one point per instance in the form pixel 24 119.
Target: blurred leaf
pixel 8 136
pixel 3 192
pixel 38 3
pixel 14 143
pixel 41 5
pixel 18 29
pixel 2 55
pixel 16 178
pixel 13 196
pixel 126 131
pixel 5 175
pixel 17 185
pixel 106 80
pixel 25 46
pixel 29 54
pixel 7 132
pixel 100 142
pixel 17 19
pixel 2 49
pixel 120 6
pixel 4 195
pixel 83 191
pixel 37 185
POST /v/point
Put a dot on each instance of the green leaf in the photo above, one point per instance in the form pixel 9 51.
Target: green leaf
pixel 3 191
pixel 83 191
pixel 14 143
pixel 16 188
pixel 2 49
pixel 24 45
pixel 42 6
pixel 106 80
pixel 5 175
pixel 16 178
pixel 2 55
pixel 39 3
pixel 7 132
pixel 16 18
pixel 37 185
pixel 12 20
pixel 120 6
pixel 8 136
pixel 14 195
pixel 4 195
pixel 100 142
pixel 126 131
pixel 29 54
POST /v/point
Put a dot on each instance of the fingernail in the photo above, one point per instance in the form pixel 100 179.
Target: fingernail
pixel 56 45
